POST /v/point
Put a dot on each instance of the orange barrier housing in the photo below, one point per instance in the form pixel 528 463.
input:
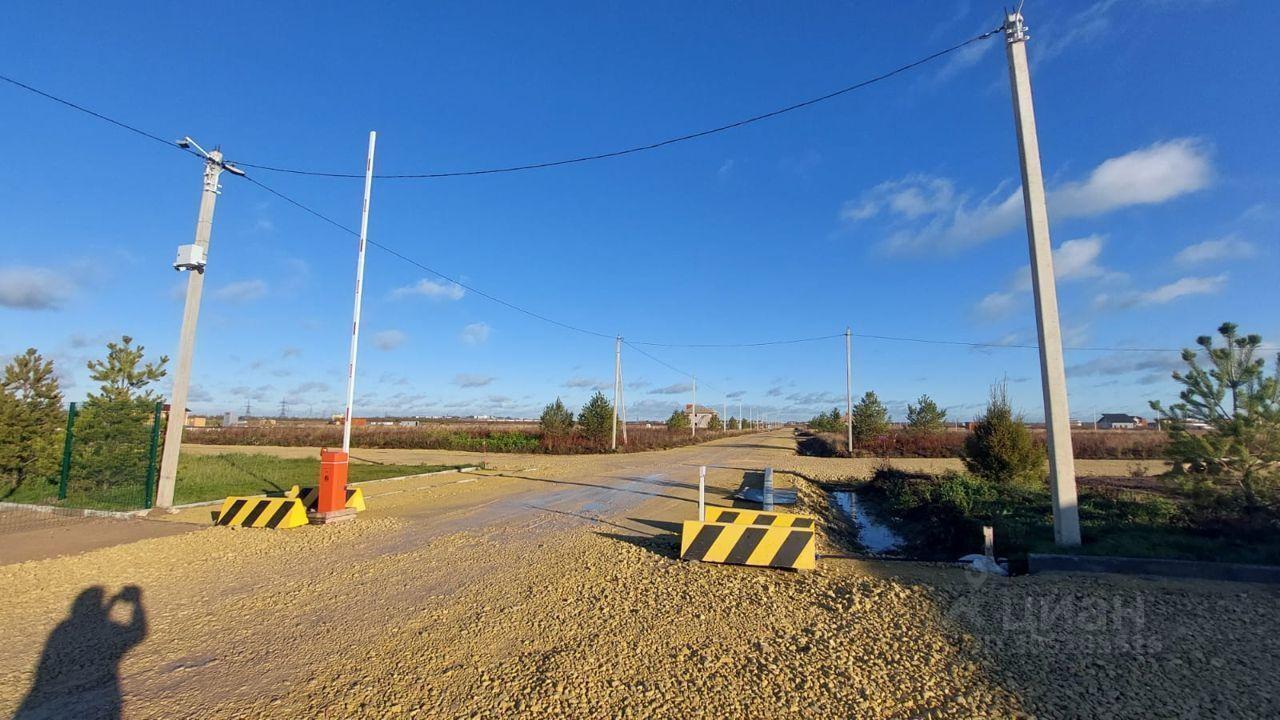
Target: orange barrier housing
pixel 333 481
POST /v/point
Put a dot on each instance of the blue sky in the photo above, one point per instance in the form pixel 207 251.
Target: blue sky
pixel 893 210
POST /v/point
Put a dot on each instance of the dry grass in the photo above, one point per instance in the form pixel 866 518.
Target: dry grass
pixel 1086 444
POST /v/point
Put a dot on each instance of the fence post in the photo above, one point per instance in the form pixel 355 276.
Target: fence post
pixel 65 474
pixel 151 457
pixel 767 490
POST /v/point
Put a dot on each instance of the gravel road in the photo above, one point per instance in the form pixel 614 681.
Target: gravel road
pixel 549 588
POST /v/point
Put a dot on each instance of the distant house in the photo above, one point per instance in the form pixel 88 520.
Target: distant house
pixel 702 418
pixel 1120 421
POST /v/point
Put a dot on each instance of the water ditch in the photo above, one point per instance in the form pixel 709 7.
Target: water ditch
pixel 874 536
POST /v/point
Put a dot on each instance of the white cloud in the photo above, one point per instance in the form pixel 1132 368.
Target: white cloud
pixel 964 58
pixel 468 380
pixel 1072 260
pixel 1228 248
pixel 997 304
pixel 927 213
pixel 389 339
pixel 241 291
pixel 1148 176
pixel 676 389
pixel 475 333
pixel 432 289
pixel 33 288
pixel 583 382
pixel 1175 290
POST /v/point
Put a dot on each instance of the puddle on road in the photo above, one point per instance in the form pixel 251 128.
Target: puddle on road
pixel 875 537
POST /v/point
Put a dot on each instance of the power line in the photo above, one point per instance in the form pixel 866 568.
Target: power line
pixel 740 345
pixel 100 116
pixel 638 345
pixel 657 359
pixel 641 148
pixel 396 253
pixel 1010 345
pixel 634 344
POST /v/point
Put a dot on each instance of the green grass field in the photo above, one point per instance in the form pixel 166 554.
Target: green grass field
pixel 210 477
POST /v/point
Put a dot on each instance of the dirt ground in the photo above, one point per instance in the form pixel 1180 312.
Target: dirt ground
pixel 549 587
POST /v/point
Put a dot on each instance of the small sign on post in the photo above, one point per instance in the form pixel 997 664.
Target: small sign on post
pixel 768 489
pixel 702 493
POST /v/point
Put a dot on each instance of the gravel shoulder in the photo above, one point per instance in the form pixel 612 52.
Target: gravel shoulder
pixel 552 590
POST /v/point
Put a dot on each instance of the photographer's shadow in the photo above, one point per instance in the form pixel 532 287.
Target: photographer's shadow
pixel 79 670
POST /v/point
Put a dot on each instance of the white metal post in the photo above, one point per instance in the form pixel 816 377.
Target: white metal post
pixel 1062 471
pixel 724 416
pixel 355 321
pixel 617 379
pixel 187 337
pixel 702 493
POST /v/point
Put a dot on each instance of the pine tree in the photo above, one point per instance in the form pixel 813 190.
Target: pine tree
pixel 715 425
pixel 556 420
pixel 596 418
pixel 113 436
pixel 123 374
pixel 734 424
pixel 870 418
pixel 30 418
pixel 1001 448
pixel 925 416
pixel 678 420
pixel 1240 404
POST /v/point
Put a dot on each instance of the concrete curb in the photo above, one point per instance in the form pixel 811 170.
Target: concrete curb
pixel 1189 569
pixel 126 514
pixel 206 503
pixel 75 512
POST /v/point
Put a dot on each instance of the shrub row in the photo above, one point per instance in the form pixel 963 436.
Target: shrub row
pixel 1086 444
pixel 426 438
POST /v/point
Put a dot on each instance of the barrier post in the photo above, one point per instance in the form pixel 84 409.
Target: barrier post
pixel 768 489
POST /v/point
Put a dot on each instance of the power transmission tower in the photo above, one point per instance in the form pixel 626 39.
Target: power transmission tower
pixel 191 258
pixel 284 408
pixel 1062 471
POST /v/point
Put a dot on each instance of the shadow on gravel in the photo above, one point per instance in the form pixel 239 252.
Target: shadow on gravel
pixel 664 525
pixel 664 546
pixel 79 671
pixel 609 488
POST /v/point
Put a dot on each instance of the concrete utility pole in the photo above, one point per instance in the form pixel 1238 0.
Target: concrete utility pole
pixel 355 320
pixel 622 394
pixel 848 384
pixel 617 381
pixel 1062 471
pixel 693 416
pixel 191 258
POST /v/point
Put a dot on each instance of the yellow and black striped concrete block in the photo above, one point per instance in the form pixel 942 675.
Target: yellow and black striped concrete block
pixel 738 516
pixel 259 512
pixel 309 496
pixel 761 546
